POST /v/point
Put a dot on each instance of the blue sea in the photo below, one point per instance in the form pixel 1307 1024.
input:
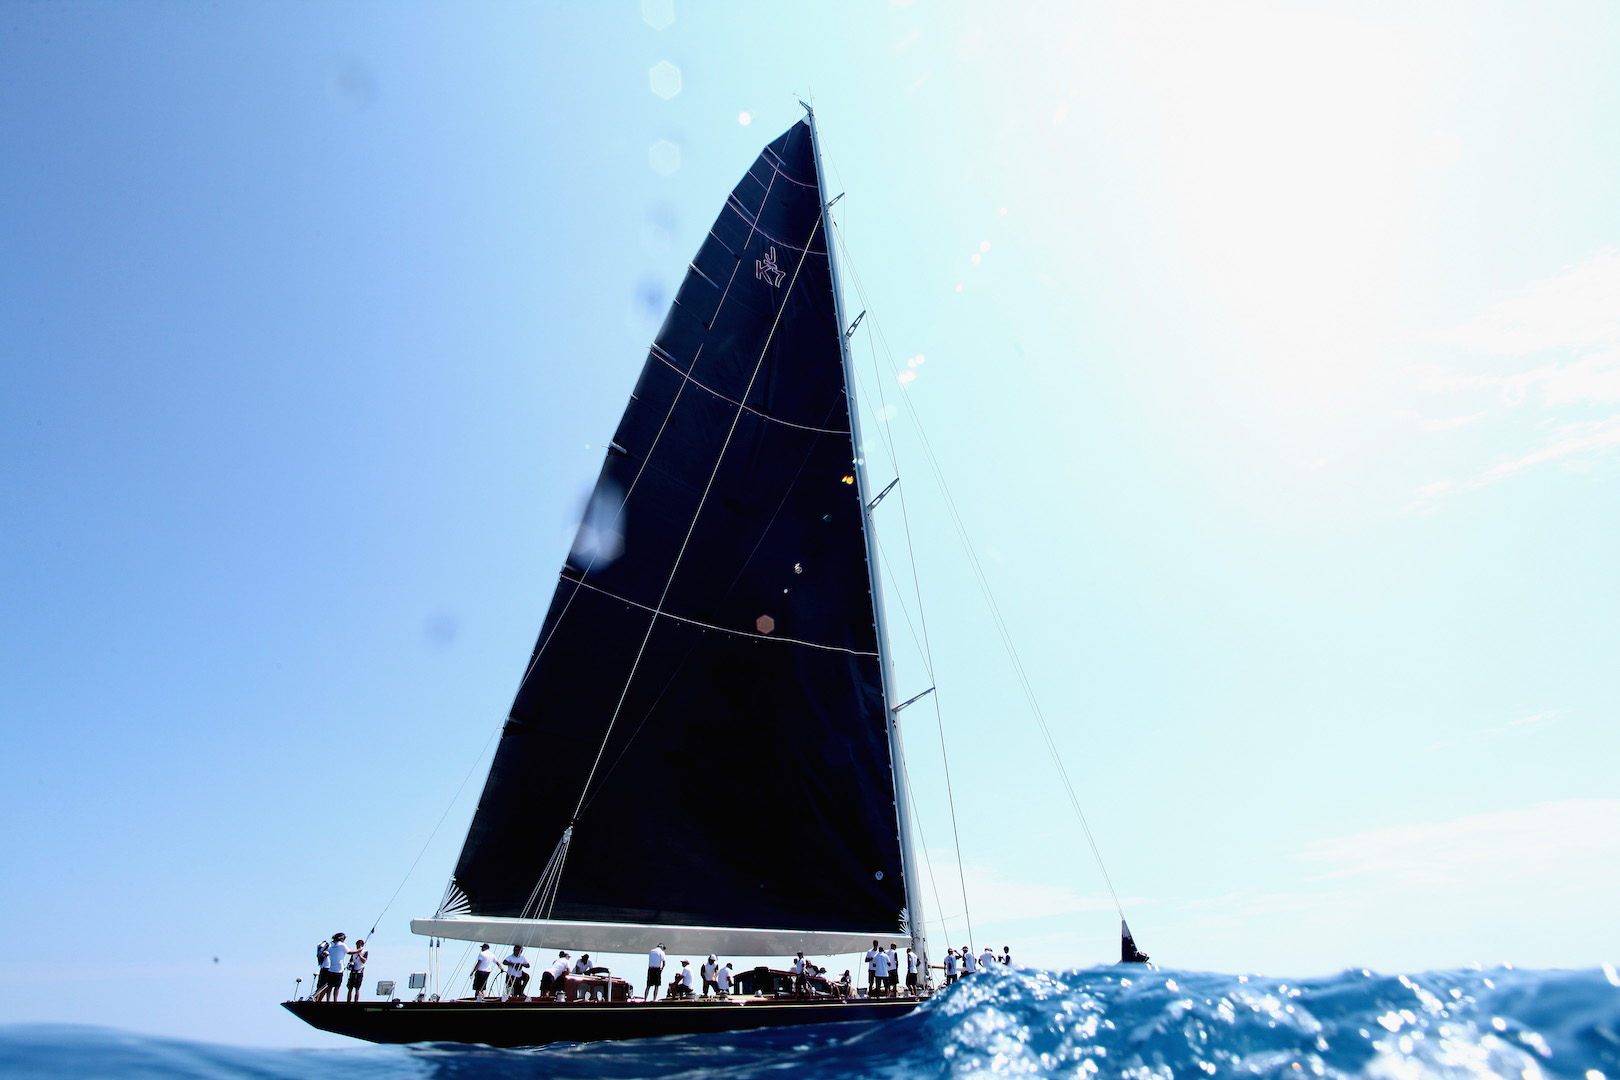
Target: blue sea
pixel 1102 1022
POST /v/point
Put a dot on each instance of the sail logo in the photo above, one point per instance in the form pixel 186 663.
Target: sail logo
pixel 766 268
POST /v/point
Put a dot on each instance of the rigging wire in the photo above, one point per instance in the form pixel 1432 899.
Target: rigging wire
pixel 998 620
pixel 680 554
pixel 922 619
pixel 372 933
pixel 928 863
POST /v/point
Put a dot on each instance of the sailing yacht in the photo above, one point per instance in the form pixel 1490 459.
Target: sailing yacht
pixel 703 749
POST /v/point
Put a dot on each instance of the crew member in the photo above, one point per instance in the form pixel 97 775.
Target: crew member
pixel 357 969
pixel 894 971
pixel 968 967
pixel 911 972
pixel 880 973
pixel 517 972
pixel 681 985
pixel 722 980
pixel 987 958
pixel 482 966
pixel 582 966
pixel 797 968
pixel 559 972
pixel 1006 956
pixel 337 957
pixel 871 970
pixel 711 969
pixel 655 972
pixel 950 966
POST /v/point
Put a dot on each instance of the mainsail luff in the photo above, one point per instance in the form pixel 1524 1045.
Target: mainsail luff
pixel 758 689
pixel 915 925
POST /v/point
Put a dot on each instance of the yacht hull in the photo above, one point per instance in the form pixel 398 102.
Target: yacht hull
pixel 535 1023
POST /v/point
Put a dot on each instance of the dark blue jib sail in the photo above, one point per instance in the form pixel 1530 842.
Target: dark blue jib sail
pixel 706 687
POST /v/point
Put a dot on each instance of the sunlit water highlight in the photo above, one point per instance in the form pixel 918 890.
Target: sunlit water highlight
pixel 1103 1022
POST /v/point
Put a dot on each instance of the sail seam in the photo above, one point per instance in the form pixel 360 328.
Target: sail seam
pixel 722 629
pixel 780 171
pixel 762 415
pixel 691 528
pixel 753 223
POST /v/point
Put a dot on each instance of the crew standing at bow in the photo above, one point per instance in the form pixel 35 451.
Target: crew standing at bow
pixel 357 969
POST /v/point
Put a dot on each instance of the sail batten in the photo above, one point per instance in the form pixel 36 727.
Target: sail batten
pixel 719 659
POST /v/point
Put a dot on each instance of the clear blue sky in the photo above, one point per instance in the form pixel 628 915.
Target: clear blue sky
pixel 1282 401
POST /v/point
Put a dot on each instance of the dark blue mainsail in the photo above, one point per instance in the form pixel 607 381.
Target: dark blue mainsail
pixel 706 688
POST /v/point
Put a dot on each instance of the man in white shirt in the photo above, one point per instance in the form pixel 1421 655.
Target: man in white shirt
pixel 560 971
pixel 894 970
pixel 336 957
pixel 880 972
pixel 797 969
pixel 711 968
pixel 681 985
pixel 967 960
pixel 357 969
pixel 582 966
pixel 987 958
pixel 871 970
pixel 722 980
pixel 950 966
pixel 911 972
pixel 482 967
pixel 517 972
pixel 655 972
pixel 329 979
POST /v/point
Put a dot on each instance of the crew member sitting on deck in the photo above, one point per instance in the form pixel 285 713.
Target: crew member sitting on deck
pixel 844 988
pixel 681 985
pixel 517 972
pixel 559 972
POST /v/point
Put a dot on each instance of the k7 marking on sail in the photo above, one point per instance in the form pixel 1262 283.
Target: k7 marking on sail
pixel 766 268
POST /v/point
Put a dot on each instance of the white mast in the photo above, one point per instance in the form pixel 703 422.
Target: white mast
pixel 897 758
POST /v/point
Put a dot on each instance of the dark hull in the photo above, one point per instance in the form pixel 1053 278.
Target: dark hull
pixel 535 1023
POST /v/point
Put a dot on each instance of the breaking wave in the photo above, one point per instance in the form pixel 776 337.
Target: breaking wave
pixel 1103 1022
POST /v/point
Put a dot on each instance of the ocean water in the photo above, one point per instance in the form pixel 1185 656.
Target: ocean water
pixel 1102 1022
